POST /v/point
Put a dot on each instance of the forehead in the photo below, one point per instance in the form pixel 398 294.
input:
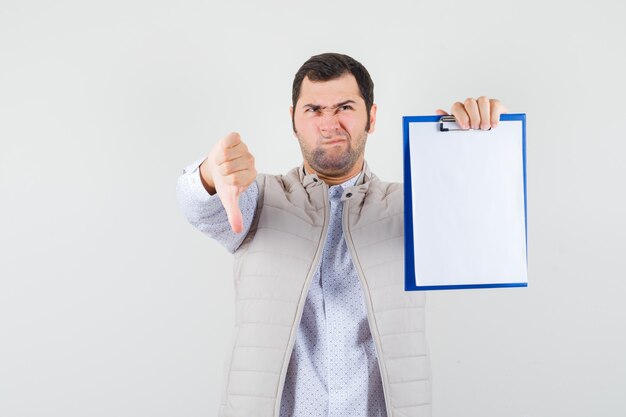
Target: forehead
pixel 329 92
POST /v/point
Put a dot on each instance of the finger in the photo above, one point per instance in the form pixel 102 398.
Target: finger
pixel 441 112
pixel 497 108
pixel 235 165
pixel 231 140
pixel 230 201
pixel 241 179
pixel 484 110
pixel 471 107
pixel 460 114
pixel 228 154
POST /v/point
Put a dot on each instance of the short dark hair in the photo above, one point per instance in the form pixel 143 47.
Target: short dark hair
pixel 329 66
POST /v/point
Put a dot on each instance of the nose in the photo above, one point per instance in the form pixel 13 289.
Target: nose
pixel 329 123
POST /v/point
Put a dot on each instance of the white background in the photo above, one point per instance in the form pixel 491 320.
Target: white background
pixel 112 305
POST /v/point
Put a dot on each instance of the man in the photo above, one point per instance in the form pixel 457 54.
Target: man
pixel 323 326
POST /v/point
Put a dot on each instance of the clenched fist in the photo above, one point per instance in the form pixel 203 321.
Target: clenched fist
pixel 229 170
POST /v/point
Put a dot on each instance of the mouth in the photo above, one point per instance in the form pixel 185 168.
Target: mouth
pixel 334 141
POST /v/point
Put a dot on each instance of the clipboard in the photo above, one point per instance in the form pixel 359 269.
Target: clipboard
pixel 465 210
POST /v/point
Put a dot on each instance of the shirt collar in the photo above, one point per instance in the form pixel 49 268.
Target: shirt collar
pixel 350 182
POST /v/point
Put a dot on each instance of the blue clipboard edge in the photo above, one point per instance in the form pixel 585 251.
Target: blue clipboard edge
pixel 409 260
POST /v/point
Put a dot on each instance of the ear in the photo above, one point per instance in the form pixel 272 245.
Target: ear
pixel 372 118
pixel 293 121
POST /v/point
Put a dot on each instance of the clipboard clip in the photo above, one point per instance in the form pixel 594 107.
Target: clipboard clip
pixel 448 119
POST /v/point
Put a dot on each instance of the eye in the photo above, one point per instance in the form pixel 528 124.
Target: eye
pixel 345 107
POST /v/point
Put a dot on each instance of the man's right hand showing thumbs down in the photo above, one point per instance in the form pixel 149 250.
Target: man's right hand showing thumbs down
pixel 229 170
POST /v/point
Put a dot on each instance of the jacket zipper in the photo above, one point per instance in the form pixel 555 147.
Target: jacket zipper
pixel 307 285
pixel 368 302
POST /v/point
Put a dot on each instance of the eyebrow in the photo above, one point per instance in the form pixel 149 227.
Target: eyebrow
pixel 318 107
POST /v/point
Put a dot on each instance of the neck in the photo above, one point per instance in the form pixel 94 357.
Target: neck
pixel 335 179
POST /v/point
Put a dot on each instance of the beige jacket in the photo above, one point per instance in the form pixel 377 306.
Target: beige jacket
pixel 273 270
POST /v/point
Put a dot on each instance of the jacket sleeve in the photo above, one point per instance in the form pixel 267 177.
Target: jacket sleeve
pixel 206 212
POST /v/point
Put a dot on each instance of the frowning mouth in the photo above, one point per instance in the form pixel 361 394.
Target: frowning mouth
pixel 334 141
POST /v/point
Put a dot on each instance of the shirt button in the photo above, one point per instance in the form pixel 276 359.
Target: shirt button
pixel 348 195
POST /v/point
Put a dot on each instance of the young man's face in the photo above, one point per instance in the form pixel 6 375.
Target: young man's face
pixel 330 119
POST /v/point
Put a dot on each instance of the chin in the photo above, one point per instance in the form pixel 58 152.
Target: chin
pixel 333 168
